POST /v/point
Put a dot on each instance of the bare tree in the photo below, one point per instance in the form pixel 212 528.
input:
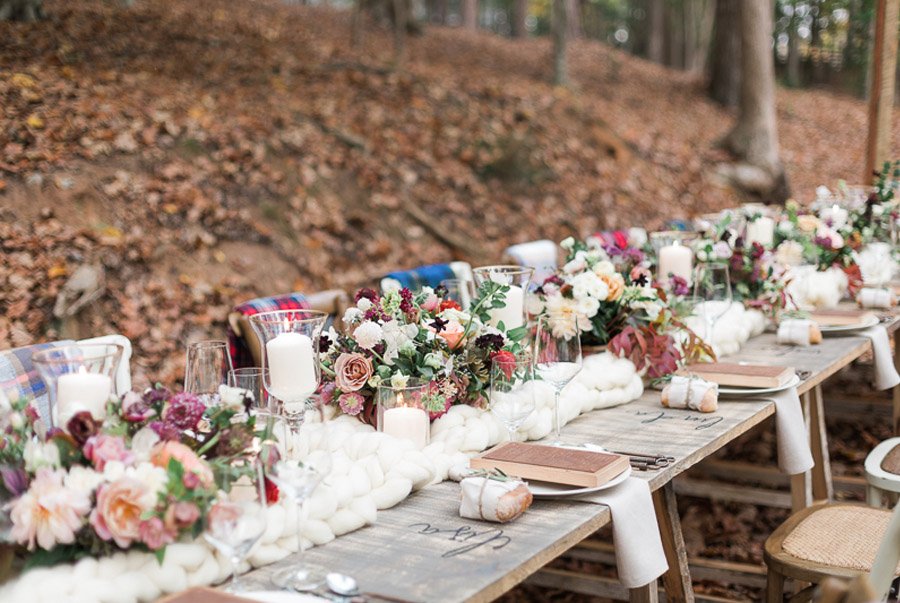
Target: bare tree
pixel 725 57
pixel 656 37
pixel 573 19
pixel 559 30
pixel 21 10
pixel 519 17
pixel 470 14
pixel 754 138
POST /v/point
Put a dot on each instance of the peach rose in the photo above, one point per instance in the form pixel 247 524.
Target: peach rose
pixel 351 372
pixel 164 451
pixel 616 284
pixel 452 333
pixel 117 515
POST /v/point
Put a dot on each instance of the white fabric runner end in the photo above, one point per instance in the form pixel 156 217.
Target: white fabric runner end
pixel 640 558
pixel 794 454
pixel 886 375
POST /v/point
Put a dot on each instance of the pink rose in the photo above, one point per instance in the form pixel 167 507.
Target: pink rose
pixel 352 371
pixel 117 514
pixel 351 403
pixel 431 303
pixel 452 333
pixel 102 448
pixel 154 533
pixel 181 515
pixel 163 452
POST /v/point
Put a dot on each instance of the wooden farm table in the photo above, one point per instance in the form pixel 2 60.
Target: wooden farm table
pixel 421 550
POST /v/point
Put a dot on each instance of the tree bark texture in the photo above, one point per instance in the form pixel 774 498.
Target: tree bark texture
pixel 573 19
pixel 754 138
pixel 656 31
pixel 470 14
pixel 793 57
pixel 560 40
pixel 21 10
pixel 519 16
pixel 725 57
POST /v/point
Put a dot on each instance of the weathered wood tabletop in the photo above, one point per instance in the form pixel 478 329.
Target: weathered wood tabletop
pixel 421 550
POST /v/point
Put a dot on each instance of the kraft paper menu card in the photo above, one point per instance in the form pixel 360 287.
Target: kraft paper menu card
pixel 732 374
pixel 553 464
pixel 842 317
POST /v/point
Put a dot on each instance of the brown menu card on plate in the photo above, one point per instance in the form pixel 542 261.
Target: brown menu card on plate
pixel 553 464
pixel 732 374
pixel 841 317
pixel 204 595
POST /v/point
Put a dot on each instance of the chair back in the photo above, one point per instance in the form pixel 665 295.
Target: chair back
pixel 242 341
pixel 541 255
pixel 885 566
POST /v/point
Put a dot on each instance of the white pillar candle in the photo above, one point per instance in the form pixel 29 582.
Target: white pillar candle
pixel 513 314
pixel 292 369
pixel 675 259
pixel 836 214
pixel 76 392
pixel 762 231
pixel 407 423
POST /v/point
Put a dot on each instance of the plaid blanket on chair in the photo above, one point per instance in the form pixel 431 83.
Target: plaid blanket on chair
pixel 240 353
pixel 18 377
pixel 416 278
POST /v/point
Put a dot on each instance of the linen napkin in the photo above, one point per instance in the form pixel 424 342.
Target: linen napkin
pixel 886 375
pixel 871 297
pixel 640 558
pixel 794 331
pixel 794 454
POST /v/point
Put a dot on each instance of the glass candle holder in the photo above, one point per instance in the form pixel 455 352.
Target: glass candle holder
pixel 401 412
pixel 79 377
pixel 517 278
pixel 674 255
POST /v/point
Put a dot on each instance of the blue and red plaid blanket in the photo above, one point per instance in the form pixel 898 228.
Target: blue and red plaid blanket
pixel 18 376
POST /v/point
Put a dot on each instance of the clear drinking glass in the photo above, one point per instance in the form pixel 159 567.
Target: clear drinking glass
pixel 251 379
pixel 208 365
pixel 712 295
pixel 512 392
pixel 289 342
pixel 298 480
pixel 557 359
pixel 79 377
pixel 400 411
pixel 517 278
pixel 462 291
pixel 237 519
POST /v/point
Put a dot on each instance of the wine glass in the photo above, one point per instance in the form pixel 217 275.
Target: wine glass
pixel 289 342
pixel 236 520
pixel 298 480
pixel 712 295
pixel 512 391
pixel 208 365
pixel 251 380
pixel 462 291
pixel 557 358
pixel 79 377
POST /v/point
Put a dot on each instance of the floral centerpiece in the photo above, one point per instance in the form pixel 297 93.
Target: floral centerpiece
pixel 401 335
pixel 605 294
pixel 132 478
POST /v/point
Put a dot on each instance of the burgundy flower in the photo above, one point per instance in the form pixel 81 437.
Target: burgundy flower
pixel 184 411
pixel 679 285
pixel 156 395
pixel 490 341
pixel 82 426
pixel 165 431
pixel 367 293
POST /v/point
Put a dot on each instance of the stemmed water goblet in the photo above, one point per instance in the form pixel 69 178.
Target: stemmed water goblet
pixel 512 391
pixel 712 295
pixel 236 520
pixel 557 359
pixel 297 479
pixel 289 342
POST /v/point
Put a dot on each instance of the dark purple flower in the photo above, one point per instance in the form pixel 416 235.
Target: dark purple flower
pixel 679 285
pixel 823 242
pixel 324 344
pixel 15 480
pixel 82 426
pixel 369 294
pixel 184 411
pixel 490 341
pixel 165 431
pixel 156 395
pixel 438 325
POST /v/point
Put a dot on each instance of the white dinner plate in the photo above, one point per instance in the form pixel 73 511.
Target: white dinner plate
pixel 550 490
pixel 280 596
pixel 871 322
pixel 745 392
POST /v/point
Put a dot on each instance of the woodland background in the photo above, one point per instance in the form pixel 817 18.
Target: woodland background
pixel 162 160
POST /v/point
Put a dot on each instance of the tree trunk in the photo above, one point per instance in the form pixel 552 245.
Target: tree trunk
pixel 725 60
pixel 674 35
pixel 698 17
pixel 754 138
pixel 519 15
pixel 559 29
pixel 573 19
pixel 440 12
pixel 656 36
pixel 21 10
pixel 470 14
pixel 793 57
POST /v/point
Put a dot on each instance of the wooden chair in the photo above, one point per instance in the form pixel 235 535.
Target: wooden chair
pixel 857 590
pixel 883 471
pixel 333 301
pixel 838 540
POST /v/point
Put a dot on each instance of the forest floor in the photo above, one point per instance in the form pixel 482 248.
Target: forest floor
pixel 169 160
